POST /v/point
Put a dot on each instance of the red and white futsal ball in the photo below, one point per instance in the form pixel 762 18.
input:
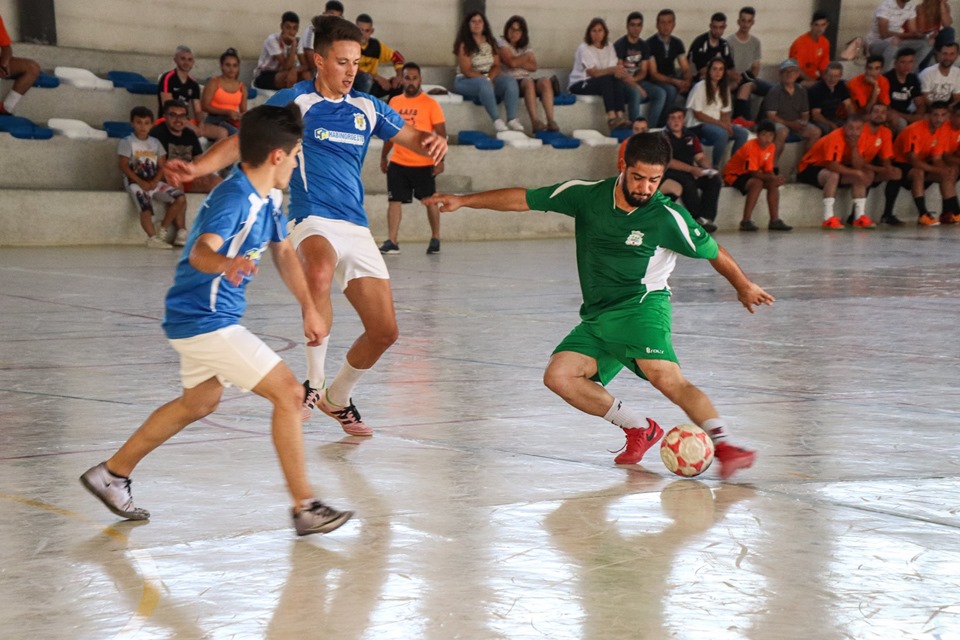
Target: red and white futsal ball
pixel 687 450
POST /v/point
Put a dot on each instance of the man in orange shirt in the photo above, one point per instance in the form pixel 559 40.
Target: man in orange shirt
pixel 876 149
pixel 833 161
pixel 812 50
pixel 870 87
pixel 750 171
pixel 22 71
pixel 951 155
pixel 919 151
pixel 410 174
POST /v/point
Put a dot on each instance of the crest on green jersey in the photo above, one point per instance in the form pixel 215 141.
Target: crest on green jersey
pixel 635 239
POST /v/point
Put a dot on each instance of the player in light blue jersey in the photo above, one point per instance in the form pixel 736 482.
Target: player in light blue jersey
pixel 331 233
pixel 237 223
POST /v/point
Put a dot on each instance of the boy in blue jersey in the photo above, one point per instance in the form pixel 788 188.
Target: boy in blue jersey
pixel 237 223
pixel 331 233
pixel 629 236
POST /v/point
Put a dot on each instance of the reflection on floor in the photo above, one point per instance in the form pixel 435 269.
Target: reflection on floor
pixel 486 507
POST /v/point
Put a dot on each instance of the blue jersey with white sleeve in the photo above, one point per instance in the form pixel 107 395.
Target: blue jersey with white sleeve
pixel 336 134
pixel 198 302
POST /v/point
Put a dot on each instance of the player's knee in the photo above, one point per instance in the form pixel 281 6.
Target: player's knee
pixel 555 380
pixel 385 336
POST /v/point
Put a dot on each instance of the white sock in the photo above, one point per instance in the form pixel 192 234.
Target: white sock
pixel 859 205
pixel 342 386
pixel 316 357
pixel 623 417
pixel 10 102
pixel 715 428
pixel 828 208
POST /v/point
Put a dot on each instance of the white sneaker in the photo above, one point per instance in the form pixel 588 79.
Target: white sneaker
pixel 515 124
pixel 113 491
pixel 500 125
pixel 157 242
pixel 181 238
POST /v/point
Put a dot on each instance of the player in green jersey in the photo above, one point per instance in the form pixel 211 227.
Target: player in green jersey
pixel 628 237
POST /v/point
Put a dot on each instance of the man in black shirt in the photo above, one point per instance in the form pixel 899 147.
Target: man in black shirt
pixel 710 45
pixel 181 143
pixel 827 96
pixel 668 67
pixel 906 96
pixel 690 168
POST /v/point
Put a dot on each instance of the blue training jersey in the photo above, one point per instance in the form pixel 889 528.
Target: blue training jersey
pixel 198 302
pixel 336 134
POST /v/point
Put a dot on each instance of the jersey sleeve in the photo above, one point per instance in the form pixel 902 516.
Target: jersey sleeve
pixel 389 122
pixel 686 236
pixel 4 36
pixel 221 214
pixel 278 228
pixel 436 113
pixel 566 197
pixel 281 98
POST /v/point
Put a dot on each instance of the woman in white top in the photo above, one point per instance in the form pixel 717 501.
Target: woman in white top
pixel 709 108
pixel 519 62
pixel 597 72
pixel 479 74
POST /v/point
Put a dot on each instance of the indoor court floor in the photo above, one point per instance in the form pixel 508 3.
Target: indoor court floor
pixel 485 506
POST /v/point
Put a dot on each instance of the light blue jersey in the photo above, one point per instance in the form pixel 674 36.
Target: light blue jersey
pixel 336 134
pixel 198 302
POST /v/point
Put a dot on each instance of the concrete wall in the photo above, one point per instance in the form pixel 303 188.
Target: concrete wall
pixel 10 11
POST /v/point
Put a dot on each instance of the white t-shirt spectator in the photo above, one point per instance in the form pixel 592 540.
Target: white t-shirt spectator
pixel 697 101
pixel 938 86
pixel 894 14
pixel 143 156
pixel 272 47
pixel 590 57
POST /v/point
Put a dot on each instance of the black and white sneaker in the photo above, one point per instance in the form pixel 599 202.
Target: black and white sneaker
pixel 433 247
pixel 389 246
pixel 310 398
pixel 113 491
pixel 708 225
pixel 319 518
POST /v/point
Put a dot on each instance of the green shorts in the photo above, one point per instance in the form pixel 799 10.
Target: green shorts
pixel 619 337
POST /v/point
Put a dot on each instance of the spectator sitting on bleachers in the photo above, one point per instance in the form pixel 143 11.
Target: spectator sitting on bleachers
pixel 750 171
pixel 597 71
pixel 634 54
pixel 941 82
pixel 409 174
pixel 788 107
pixel 669 67
pixel 710 45
pixel 894 26
pixel 224 96
pixel 829 99
pixel 876 149
pixel 934 19
pixel 23 71
pixel 870 87
pixel 951 154
pixel 811 50
pixel 178 84
pixel 141 160
pixel 746 52
pixel 835 160
pixel 519 62
pixel 181 143
pixel 700 184
pixel 708 112
pixel 918 152
pixel 332 8
pixel 372 54
pixel 479 74
pixel 279 66
pixel 640 125
pixel 906 94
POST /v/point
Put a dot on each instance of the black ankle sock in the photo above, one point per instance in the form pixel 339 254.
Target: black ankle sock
pixel 950 204
pixel 921 205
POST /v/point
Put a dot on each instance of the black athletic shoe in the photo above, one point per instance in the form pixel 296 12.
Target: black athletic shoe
pixel 892 220
pixel 434 246
pixel 708 225
pixel 748 225
pixel 389 246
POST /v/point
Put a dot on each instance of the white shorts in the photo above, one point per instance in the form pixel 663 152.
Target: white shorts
pixel 163 192
pixel 233 355
pixel 357 252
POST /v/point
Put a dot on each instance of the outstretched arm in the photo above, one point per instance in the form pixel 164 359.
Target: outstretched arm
pixel 223 153
pixel 514 199
pixel 426 143
pixel 749 294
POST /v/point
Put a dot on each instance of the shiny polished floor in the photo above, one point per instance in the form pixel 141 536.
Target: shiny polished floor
pixel 486 507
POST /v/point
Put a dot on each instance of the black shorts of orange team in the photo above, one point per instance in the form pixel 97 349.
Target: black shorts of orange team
pixel 740 184
pixel 405 183
pixel 905 181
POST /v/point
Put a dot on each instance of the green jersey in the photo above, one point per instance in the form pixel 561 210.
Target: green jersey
pixel 623 256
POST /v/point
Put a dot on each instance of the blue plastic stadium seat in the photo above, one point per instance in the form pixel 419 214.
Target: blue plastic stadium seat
pixel 794 138
pixel 251 93
pixel 24 129
pixel 471 136
pixel 45 81
pixel 547 136
pixel 14 122
pixel 564 99
pixel 117 129
pixel 41 133
pixel 564 143
pixel 143 88
pixel 132 82
pixel 490 144
pixel 621 134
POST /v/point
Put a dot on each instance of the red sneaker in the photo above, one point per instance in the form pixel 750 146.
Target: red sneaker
pixel 348 417
pixel 833 222
pixel 864 222
pixel 949 218
pixel 928 220
pixel 743 122
pixel 732 458
pixel 638 442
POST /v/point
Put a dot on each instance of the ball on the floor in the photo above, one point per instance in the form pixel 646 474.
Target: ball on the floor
pixel 686 450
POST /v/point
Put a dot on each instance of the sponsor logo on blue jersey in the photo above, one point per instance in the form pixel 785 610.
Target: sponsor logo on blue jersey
pixel 340 136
